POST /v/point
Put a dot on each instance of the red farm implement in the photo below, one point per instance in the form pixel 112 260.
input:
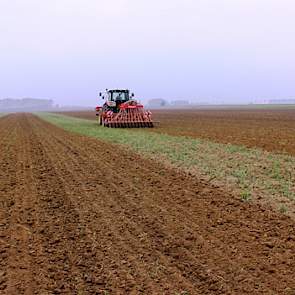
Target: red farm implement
pixel 121 111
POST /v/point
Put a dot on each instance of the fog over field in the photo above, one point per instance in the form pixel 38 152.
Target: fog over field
pixel 201 50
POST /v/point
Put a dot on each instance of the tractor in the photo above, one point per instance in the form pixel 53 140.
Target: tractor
pixel 120 110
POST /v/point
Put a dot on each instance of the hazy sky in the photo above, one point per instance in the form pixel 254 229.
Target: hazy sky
pixel 69 50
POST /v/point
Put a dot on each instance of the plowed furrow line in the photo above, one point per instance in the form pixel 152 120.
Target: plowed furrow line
pixel 133 224
pixel 210 220
pixel 7 200
pixel 92 218
pixel 72 263
pixel 146 228
pixel 126 230
pixel 140 226
pixel 20 270
pixel 168 234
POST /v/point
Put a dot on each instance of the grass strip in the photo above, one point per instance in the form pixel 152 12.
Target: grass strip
pixel 253 172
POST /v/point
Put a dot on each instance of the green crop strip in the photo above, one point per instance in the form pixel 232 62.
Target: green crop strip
pixel 251 171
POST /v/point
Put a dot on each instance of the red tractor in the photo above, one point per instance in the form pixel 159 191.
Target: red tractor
pixel 120 110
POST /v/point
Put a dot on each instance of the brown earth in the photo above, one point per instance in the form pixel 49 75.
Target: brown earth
pixel 272 130
pixel 79 216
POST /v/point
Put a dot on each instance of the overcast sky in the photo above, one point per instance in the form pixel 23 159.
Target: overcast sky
pixel 214 50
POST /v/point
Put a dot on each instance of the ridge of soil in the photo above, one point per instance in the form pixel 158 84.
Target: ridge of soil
pixel 80 216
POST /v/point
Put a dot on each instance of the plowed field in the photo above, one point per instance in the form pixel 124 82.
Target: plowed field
pixel 272 129
pixel 80 216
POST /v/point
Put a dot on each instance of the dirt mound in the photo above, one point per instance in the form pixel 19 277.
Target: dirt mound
pixel 79 216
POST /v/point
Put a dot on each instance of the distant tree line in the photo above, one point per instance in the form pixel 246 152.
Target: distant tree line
pixel 26 104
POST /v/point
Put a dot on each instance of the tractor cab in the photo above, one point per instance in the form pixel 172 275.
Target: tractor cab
pixel 114 98
pixel 119 95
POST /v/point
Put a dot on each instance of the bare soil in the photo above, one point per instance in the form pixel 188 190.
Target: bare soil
pixel 270 129
pixel 80 216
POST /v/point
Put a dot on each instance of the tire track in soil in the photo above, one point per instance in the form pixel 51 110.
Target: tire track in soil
pixel 21 219
pixel 104 219
pixel 7 190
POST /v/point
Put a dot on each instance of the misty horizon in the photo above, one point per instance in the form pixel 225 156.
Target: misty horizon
pixel 201 51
